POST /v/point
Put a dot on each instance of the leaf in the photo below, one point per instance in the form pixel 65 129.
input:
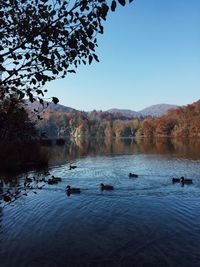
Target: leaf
pixel 96 57
pixel 41 101
pixel 53 12
pixel 55 100
pixel 104 11
pixel 90 59
pixel 101 29
pixel 38 76
pixel 73 43
pixel 55 71
pixel 31 99
pixel 71 71
pixel 91 46
pixel 19 57
pixel 34 81
pixel 39 92
pixel 122 2
pixel 27 55
pixel 113 5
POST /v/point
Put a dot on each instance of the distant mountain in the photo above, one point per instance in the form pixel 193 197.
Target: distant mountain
pixel 49 106
pixel 157 110
pixel 154 111
pixel 124 112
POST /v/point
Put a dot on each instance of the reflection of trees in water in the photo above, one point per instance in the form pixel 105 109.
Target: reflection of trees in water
pixel 1 209
pixel 164 146
pixel 62 154
pixel 72 150
pixel 1 185
pixel 189 148
pixel 21 155
pixel 1 221
pixel 80 148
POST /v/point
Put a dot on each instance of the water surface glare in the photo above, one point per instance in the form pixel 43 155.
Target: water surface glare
pixel 145 221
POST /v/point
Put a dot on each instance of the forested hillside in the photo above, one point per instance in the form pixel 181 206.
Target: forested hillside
pixel 181 122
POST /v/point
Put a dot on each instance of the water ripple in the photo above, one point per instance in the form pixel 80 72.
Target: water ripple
pixel 146 221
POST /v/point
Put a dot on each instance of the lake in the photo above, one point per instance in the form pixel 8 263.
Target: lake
pixel 144 221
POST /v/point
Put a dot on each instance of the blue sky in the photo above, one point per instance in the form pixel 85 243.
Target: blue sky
pixel 149 54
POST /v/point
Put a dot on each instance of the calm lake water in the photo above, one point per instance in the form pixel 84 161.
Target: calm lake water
pixel 145 221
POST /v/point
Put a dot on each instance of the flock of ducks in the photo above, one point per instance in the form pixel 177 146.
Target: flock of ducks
pixel 74 190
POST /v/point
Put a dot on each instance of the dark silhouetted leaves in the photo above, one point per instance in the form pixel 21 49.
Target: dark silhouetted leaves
pixel 71 71
pixel 122 2
pixel 96 57
pixel 43 40
pixel 90 59
pixel 55 100
pixel 113 5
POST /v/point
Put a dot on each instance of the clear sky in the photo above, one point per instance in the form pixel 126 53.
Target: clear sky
pixel 149 54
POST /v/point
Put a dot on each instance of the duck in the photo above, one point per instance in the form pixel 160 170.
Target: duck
pixel 73 190
pixel 132 175
pixel 52 181
pixel 7 198
pixel 185 181
pixel 176 180
pixel 57 179
pixel 106 186
pixel 71 167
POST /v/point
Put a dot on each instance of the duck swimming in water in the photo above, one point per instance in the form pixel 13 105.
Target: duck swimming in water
pixel 73 190
pixel 185 181
pixel 106 187
pixel 132 175
pixel 52 181
pixel 7 198
pixel 57 179
pixel 71 167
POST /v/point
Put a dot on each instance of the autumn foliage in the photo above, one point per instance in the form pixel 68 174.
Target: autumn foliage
pixel 182 122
